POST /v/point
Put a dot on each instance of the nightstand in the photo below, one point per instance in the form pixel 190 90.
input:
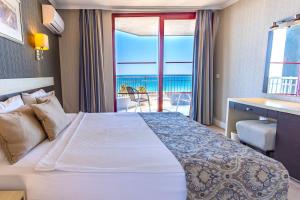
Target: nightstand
pixel 12 195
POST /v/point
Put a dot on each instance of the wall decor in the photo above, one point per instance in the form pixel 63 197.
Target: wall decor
pixel 10 20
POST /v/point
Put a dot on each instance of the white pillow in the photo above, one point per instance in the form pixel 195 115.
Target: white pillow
pixel 11 104
pixel 36 93
pixel 31 98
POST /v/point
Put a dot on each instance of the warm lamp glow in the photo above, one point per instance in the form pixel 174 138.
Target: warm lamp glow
pixel 41 41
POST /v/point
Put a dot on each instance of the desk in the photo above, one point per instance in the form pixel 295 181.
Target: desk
pixel 287 114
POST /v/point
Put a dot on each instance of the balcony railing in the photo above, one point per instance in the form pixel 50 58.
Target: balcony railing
pixel 177 91
pixel 283 85
pixel 171 83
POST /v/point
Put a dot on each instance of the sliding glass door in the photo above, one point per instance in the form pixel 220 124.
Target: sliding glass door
pixel 178 65
pixel 153 62
pixel 136 63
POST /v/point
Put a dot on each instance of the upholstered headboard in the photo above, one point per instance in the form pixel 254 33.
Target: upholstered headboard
pixel 12 87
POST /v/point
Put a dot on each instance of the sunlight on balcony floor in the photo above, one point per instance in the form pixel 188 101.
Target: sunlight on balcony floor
pixel 167 105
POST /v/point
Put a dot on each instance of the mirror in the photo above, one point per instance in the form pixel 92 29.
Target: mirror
pixel 282 72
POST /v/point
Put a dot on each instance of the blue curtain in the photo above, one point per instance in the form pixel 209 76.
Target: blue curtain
pixel 91 62
pixel 202 98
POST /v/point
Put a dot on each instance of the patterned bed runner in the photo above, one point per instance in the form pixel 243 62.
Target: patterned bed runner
pixel 216 167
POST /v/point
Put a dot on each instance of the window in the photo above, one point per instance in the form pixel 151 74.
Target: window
pixel 153 58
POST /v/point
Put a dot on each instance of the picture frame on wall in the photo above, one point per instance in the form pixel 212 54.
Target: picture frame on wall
pixel 11 20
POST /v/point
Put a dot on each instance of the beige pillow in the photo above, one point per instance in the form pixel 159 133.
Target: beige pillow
pixel 52 117
pixel 20 132
pixel 32 98
pixel 52 96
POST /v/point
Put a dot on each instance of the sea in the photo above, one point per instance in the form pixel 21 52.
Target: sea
pixel 171 83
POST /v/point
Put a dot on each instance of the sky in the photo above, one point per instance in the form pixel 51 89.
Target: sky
pixel 132 48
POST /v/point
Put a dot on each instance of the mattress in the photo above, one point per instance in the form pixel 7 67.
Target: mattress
pixel 58 184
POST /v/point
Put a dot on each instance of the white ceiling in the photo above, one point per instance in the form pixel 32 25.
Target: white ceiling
pixel 142 4
pixel 149 26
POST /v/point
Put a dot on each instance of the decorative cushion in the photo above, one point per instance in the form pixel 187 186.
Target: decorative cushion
pixel 45 98
pixel 258 133
pixel 11 104
pixel 52 116
pixel 20 132
pixel 32 98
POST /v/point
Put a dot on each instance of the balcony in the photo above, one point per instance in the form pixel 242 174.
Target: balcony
pixel 283 85
pixel 153 60
pixel 177 92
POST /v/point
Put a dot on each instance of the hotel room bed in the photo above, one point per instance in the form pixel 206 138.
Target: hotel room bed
pixel 144 156
pixel 166 184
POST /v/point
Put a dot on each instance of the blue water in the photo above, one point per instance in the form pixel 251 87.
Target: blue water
pixel 171 83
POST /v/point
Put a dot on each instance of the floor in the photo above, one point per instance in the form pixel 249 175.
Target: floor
pixel 294 190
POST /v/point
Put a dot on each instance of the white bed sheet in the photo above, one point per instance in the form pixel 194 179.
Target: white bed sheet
pixel 110 142
pixel 61 185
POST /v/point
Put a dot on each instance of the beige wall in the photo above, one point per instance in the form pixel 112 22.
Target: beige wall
pixel 108 61
pixel 69 45
pixel 69 59
pixel 241 48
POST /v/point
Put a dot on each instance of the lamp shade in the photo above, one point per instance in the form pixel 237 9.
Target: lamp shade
pixel 41 41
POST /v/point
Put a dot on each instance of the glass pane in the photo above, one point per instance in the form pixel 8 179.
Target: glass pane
pixel 284 61
pixel 136 48
pixel 178 64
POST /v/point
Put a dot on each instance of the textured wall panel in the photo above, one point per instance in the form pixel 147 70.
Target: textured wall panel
pixel 18 61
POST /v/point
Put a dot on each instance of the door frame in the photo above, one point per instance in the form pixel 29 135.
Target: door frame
pixel 162 17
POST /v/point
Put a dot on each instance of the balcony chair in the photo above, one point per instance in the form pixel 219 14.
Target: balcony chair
pixel 181 99
pixel 136 97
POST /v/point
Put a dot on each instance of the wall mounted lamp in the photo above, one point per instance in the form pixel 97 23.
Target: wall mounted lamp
pixel 286 23
pixel 297 19
pixel 274 26
pixel 41 44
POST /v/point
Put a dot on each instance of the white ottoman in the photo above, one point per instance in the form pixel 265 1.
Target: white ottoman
pixel 257 133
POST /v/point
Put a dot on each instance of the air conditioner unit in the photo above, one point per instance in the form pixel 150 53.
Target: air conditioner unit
pixel 52 20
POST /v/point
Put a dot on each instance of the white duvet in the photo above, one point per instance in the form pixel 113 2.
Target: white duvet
pixel 109 142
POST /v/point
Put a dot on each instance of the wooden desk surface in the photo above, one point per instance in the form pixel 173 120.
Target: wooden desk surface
pixel 12 195
pixel 271 104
